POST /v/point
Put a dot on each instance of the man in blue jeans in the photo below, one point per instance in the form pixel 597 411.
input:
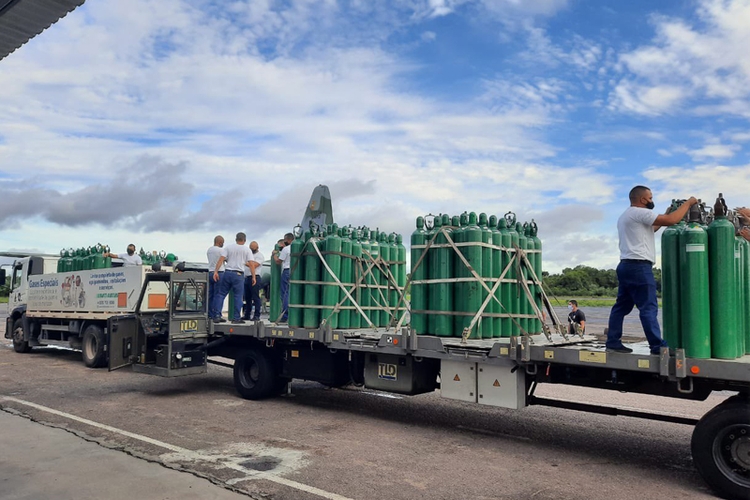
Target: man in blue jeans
pixel 235 258
pixel 637 287
pixel 284 258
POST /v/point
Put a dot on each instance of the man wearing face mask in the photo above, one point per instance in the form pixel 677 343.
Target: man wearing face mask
pixel 576 318
pixel 129 258
pixel 637 287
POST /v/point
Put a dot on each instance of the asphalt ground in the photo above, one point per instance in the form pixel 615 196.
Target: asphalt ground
pixel 347 443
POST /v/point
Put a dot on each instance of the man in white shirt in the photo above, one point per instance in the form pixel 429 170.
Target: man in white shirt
pixel 129 258
pixel 214 253
pixel 238 256
pixel 252 289
pixel 284 258
pixel 637 287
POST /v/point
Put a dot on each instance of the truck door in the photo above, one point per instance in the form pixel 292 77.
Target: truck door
pixel 123 340
pixel 18 284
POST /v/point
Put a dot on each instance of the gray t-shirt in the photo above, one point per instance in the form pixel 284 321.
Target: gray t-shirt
pixel 636 231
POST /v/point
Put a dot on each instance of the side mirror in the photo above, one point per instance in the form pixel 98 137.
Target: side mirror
pixel 2 277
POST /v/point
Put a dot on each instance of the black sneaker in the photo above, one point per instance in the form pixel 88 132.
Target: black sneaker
pixel 621 349
pixel 219 320
pixel 256 319
pixel 238 321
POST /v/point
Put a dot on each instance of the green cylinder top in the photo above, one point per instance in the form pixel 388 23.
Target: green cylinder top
pixel 446 219
pixel 438 221
pixel 420 222
pixel 464 219
pixel 472 219
pixel 493 222
pixel 399 239
pixel 502 224
pixel 392 238
pixel 456 221
pixel 483 219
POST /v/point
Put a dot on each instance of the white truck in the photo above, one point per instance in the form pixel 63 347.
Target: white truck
pixel 71 309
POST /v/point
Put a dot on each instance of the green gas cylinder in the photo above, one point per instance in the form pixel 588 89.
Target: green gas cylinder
pixel 366 284
pixel 311 292
pixel 395 266
pixel 695 321
pixel 98 262
pixel 537 261
pixel 488 323
pixel 459 271
pixel 506 295
pixel 516 290
pixel 330 292
pixel 297 274
pixel 69 265
pixel 401 276
pixel 345 316
pixel 473 289
pixel 440 294
pixel 357 321
pixel 670 282
pixel 384 294
pixel 274 311
pixel 61 262
pixel 524 306
pixel 739 260
pixel 107 259
pixel 374 280
pixel 497 262
pixel 723 283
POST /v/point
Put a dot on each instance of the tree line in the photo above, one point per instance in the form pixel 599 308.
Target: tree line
pixel 586 281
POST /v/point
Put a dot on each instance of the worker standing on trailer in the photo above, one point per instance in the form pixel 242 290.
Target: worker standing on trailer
pixel 214 253
pixel 252 288
pixel 238 256
pixel 637 287
pixel 129 258
pixel 745 216
pixel 284 258
pixel 576 318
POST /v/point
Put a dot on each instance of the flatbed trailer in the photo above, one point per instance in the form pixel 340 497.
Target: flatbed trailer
pixel 502 372
pixel 179 340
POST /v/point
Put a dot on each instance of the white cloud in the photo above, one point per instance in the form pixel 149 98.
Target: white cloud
pixel 703 181
pixel 716 151
pixel 703 60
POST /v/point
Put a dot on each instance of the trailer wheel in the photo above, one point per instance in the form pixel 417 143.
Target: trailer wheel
pixel 19 344
pixel 93 347
pixel 255 375
pixel 721 449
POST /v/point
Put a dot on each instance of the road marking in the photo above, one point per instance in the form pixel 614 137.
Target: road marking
pixel 184 452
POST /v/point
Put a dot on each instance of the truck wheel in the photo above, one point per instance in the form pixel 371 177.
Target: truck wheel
pixel 19 344
pixel 255 376
pixel 721 449
pixel 93 347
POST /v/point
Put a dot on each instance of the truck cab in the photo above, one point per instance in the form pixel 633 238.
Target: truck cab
pixel 19 279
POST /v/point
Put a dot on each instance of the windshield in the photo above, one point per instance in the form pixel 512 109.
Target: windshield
pixel 189 297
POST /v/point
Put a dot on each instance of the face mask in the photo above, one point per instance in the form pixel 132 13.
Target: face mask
pixel 570 308
pixel 650 205
pixel 130 251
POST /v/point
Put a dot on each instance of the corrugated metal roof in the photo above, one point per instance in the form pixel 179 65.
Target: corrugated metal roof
pixel 22 20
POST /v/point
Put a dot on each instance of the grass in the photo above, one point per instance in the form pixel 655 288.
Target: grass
pixel 587 301
pixel 3 300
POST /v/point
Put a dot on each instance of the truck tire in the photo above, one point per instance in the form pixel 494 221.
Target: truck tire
pixel 721 449
pixel 19 344
pixel 93 347
pixel 255 375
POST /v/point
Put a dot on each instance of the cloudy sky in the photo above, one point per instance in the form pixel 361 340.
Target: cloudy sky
pixel 165 122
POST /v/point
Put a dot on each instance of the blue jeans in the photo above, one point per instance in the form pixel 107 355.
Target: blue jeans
pixel 213 290
pixel 284 294
pixel 637 287
pixel 234 281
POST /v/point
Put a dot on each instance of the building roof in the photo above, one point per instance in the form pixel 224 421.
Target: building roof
pixel 22 20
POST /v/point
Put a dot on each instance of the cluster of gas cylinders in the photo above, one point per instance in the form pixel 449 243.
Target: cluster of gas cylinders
pixel 92 257
pixel 83 259
pixel 446 281
pixel 332 268
pixel 706 284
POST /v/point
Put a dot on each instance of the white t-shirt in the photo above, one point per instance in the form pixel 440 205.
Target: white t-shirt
pixel 237 257
pixel 636 231
pixel 213 255
pixel 285 256
pixel 130 260
pixel 258 257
